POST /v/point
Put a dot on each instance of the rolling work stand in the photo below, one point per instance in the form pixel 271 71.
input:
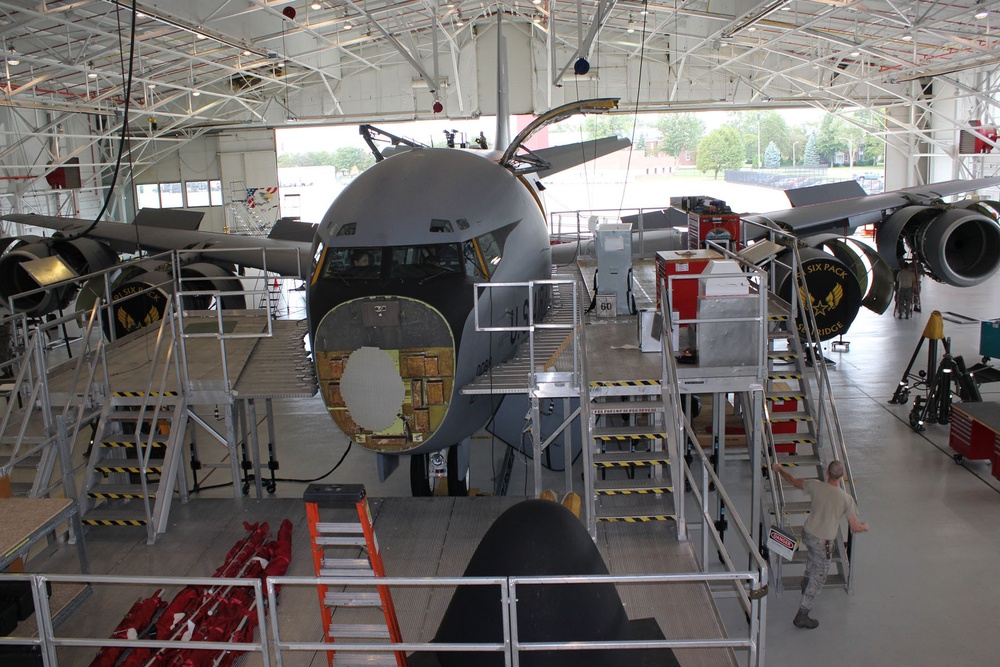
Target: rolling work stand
pixel 349 549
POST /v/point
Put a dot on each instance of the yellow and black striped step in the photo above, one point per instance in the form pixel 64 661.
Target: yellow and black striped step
pixel 784 355
pixel 624 437
pixel 784 376
pixel 141 394
pixel 631 459
pixel 786 417
pixel 792 439
pixel 785 397
pixel 114 522
pixel 130 444
pixel 646 518
pixel 109 469
pixel 625 383
pixel 118 496
pixel 126 492
pixel 660 490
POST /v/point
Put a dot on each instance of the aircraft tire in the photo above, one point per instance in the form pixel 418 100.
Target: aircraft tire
pixel 420 484
pixel 457 486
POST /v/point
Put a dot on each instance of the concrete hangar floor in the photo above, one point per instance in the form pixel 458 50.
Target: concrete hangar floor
pixel 924 592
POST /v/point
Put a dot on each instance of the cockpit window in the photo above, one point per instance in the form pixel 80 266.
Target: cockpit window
pixel 477 258
pixel 425 261
pixel 441 225
pixel 353 263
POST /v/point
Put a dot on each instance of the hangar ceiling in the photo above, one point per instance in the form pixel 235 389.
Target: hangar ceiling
pixel 202 65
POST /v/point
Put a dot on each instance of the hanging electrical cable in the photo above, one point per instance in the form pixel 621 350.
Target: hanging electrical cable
pixel 123 136
pixel 635 114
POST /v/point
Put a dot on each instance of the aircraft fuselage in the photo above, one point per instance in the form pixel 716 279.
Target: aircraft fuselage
pixel 396 260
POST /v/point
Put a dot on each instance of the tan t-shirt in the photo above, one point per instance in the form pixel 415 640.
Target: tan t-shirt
pixel 830 504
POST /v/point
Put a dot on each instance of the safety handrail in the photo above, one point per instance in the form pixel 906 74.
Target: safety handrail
pixel 687 434
pixel 826 400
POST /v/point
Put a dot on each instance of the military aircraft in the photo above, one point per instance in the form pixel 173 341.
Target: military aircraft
pixel 954 243
pixel 393 267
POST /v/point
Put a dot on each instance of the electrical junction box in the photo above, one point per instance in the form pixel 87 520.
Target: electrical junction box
pixel 614 264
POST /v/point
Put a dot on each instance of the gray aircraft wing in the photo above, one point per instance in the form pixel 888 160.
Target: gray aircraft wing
pixel 846 214
pixel 283 255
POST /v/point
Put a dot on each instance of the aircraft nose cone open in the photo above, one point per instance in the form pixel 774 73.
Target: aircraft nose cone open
pixel 386 366
pixel 372 388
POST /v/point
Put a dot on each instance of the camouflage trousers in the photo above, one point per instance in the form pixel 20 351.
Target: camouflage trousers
pixel 817 566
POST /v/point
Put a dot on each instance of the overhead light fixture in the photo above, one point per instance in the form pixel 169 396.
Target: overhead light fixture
pixel 348 26
pixel 537 2
pixel 752 28
pixel 316 5
pixel 151 85
pixel 982 13
pixel 644 12
pixel 631 25
pixel 12 58
pixel 247 52
pixel 907 38
pixel 195 93
pixel 458 21
pixel 91 74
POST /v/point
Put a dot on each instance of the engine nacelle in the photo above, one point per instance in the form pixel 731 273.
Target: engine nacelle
pixel 834 290
pixel 956 245
pixel 83 255
pixel 141 293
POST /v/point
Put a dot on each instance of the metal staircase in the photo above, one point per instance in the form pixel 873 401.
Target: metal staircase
pixel 35 433
pixel 135 460
pixel 248 217
pixel 134 463
pixel 802 432
pixel 631 467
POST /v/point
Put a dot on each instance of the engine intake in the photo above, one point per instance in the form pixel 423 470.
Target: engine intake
pixel 83 255
pixel 958 245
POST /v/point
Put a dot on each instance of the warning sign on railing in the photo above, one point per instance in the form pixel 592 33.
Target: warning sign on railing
pixel 782 542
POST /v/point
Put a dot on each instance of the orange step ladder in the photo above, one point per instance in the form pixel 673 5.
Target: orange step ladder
pixel 349 549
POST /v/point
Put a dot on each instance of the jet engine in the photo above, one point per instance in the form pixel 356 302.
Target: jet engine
pixel 955 244
pixel 82 255
pixel 834 289
pixel 141 292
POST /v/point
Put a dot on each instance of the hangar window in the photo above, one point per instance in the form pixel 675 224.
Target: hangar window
pixel 171 195
pixel 197 193
pixel 193 194
pixel 215 193
pixel 147 195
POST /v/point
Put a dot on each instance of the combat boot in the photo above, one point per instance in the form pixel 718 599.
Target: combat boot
pixel 802 620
